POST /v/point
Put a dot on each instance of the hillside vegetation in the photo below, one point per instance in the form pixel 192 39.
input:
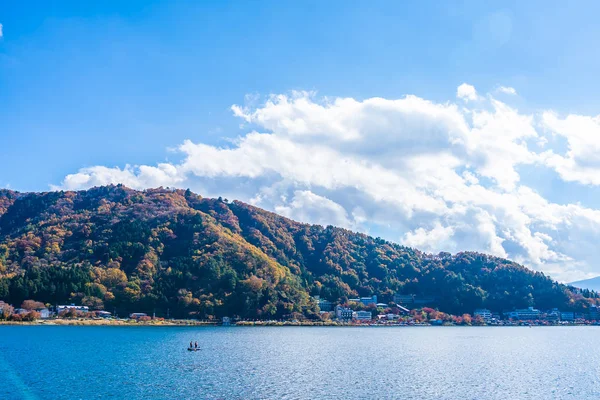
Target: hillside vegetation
pixel 172 251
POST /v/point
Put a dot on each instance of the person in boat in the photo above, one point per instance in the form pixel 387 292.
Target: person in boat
pixel 191 345
pixel 196 345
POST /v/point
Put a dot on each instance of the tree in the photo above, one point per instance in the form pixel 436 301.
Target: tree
pixel 69 313
pixel 32 305
pixel 31 316
pixel 94 303
pixel 6 311
pixel 467 319
pixel 113 277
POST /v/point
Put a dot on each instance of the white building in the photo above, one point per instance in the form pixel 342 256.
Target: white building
pixel 567 316
pixel 364 316
pixel 369 300
pixel 403 310
pixel 365 300
pixel 103 314
pixel 553 315
pixel 59 309
pixel 343 313
pixel 525 314
pixel 413 300
pixel 483 313
pixel 44 313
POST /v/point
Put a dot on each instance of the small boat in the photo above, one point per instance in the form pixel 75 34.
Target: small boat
pixel 193 349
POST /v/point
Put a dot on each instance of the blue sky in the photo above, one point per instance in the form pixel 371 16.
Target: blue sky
pixel 114 84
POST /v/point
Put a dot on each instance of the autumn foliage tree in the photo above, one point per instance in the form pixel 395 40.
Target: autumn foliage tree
pixel 31 316
pixel 6 312
pixel 32 305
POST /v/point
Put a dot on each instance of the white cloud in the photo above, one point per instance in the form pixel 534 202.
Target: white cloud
pixel 581 161
pixel 140 177
pixel 437 176
pixel 312 208
pixel 507 90
pixel 498 142
pixel 433 240
pixel 466 92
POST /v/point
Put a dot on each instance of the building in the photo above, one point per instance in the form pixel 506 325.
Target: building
pixel 44 313
pixel 403 298
pixel 325 305
pixel 346 314
pixel 364 316
pixel 594 312
pixel 403 310
pixel 567 316
pixel 137 315
pixel 413 300
pixel 423 300
pixel 103 314
pixel 483 313
pixel 381 305
pixel 343 313
pixel 365 300
pixel 553 315
pixel 226 321
pixel 369 300
pixel 60 309
pixel 525 314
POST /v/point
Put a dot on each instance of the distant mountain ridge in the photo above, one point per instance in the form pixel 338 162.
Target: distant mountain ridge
pixel 174 252
pixel 590 284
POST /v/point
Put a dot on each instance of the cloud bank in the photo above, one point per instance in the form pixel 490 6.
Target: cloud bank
pixel 436 176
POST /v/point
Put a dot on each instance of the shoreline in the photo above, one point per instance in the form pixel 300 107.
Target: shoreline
pixel 112 322
pixel 194 323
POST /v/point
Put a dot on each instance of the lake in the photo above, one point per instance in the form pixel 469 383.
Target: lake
pixel 70 362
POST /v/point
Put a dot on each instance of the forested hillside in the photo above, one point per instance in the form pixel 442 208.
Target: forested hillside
pixel 116 248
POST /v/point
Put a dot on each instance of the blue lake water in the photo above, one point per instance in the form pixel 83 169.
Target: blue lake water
pixel 51 362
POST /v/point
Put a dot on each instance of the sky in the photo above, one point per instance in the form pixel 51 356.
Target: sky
pixel 446 126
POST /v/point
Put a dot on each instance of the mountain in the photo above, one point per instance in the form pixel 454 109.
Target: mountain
pixel 590 284
pixel 172 251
